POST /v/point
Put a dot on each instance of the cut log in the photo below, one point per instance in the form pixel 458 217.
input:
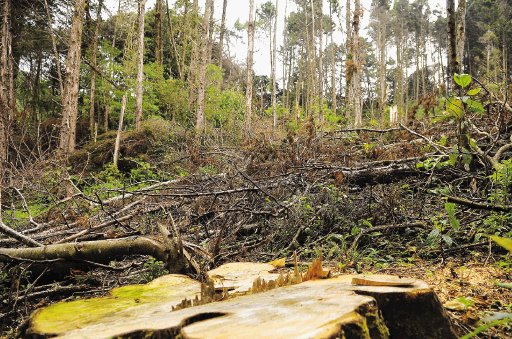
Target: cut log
pixel 326 308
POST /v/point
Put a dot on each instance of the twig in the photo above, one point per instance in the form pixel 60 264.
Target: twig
pixel 479 205
pixel 18 236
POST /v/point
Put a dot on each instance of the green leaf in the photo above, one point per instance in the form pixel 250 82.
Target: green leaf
pixel 504 285
pixel 475 106
pixel 503 242
pixel 463 80
pixel 455 108
pixel 474 91
pixel 452 218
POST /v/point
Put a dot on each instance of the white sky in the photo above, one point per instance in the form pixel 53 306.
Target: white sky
pixel 239 9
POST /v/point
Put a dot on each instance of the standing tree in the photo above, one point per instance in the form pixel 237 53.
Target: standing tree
pixel 250 58
pixel 94 56
pixel 452 41
pixel 378 27
pixel 71 82
pixel 159 46
pixel 267 15
pixel 6 89
pixel 140 64
pixel 460 34
pixel 208 7
pixel 222 32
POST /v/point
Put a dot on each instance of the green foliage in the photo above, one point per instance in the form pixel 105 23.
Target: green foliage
pixel 506 243
pixel 463 80
pixel 153 269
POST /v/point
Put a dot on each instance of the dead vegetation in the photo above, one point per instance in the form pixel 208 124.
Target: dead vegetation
pixel 363 198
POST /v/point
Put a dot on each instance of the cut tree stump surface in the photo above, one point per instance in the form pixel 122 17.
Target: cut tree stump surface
pixel 325 308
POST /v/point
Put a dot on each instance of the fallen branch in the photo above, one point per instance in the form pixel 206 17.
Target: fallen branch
pixel 100 250
pixel 18 236
pixel 479 205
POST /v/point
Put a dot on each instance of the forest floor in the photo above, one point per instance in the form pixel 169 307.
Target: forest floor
pixel 365 200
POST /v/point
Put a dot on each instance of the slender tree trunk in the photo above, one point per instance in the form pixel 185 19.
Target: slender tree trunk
pixel 204 63
pixel 172 40
pixel 273 64
pixel 193 40
pixel 222 32
pixel 94 54
pixel 54 46
pixel 159 45
pixel 119 130
pixel 321 64
pixel 116 23
pixel 452 41
pixel 6 91
pixel 460 34
pixel 333 63
pixel 71 82
pixel 349 60
pixel 382 37
pixel 140 65
pixel 250 60
pixel 356 81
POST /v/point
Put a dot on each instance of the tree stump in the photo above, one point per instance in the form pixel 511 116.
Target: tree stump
pixel 326 308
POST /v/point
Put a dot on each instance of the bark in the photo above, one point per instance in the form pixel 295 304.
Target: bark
pixel 119 130
pixel 71 82
pixel 222 32
pixel 349 61
pixel 192 32
pixel 172 40
pixel 250 60
pixel 452 41
pixel 356 81
pixel 21 238
pixel 334 98
pixel 140 65
pixel 321 65
pixel 381 46
pixel 98 251
pixel 94 54
pixel 273 64
pixel 460 34
pixel 159 46
pixel 200 125
pixel 54 46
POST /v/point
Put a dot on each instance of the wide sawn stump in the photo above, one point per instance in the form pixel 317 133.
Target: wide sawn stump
pixel 252 306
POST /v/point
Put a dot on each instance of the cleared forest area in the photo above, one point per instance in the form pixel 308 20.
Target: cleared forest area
pixel 133 145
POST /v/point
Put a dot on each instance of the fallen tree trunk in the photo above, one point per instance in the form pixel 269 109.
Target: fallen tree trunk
pixel 96 251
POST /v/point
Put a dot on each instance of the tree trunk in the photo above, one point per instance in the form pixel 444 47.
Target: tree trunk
pixel 71 82
pixel 119 130
pixel 333 63
pixel 94 53
pixel 222 32
pixel 250 60
pixel 54 46
pixel 273 64
pixel 140 65
pixel 381 46
pixel 460 34
pixel 7 100
pixel 452 41
pixel 159 46
pixel 202 70
pixel 321 65
pixel 349 61
pixel 356 81
pixel 192 33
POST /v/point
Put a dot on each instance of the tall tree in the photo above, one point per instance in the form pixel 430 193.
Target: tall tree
pixel 357 58
pixel 94 55
pixel 250 61
pixel 379 26
pixel 159 46
pixel 222 31
pixel 71 82
pixel 274 64
pixel 140 64
pixel 6 89
pixel 452 40
pixel 205 36
pixel 460 34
